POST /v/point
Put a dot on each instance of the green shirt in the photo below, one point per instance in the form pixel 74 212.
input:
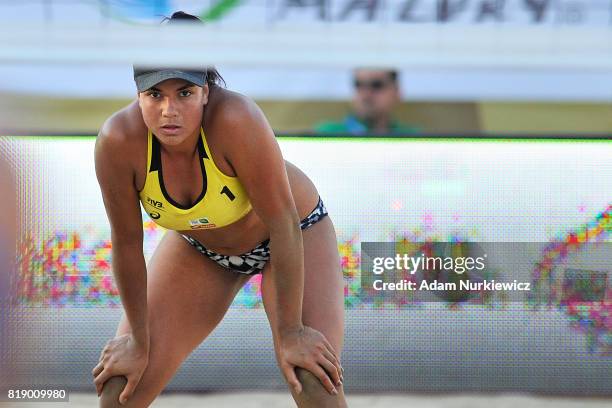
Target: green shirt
pixel 353 125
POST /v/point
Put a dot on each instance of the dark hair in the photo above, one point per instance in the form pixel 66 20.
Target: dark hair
pixel 213 77
pixel 392 73
pixel 182 17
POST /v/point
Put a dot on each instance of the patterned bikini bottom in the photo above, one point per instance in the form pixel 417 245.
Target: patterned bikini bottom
pixel 253 262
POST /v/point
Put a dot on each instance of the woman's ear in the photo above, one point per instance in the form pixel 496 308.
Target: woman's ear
pixel 205 92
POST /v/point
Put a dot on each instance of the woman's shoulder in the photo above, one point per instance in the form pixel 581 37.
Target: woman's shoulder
pixel 123 125
pixel 122 141
pixel 230 110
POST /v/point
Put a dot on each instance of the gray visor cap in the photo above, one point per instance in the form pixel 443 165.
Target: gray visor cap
pixel 147 78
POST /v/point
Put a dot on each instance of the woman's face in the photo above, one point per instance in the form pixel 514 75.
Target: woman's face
pixel 173 109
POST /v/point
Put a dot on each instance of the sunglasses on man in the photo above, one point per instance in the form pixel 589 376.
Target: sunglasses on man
pixel 375 84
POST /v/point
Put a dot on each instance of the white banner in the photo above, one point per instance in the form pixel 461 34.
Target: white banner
pixel 446 49
pixel 470 12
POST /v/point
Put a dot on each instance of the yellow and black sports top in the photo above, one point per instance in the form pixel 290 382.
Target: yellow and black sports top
pixel 223 199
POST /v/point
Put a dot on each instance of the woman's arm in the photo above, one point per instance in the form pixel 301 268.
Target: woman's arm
pixel 116 178
pixel 128 354
pixel 254 154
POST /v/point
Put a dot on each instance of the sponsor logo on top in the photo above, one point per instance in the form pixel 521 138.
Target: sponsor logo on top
pixel 155 203
pixel 201 223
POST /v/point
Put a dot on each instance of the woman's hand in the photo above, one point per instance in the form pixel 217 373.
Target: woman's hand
pixel 309 349
pixel 122 356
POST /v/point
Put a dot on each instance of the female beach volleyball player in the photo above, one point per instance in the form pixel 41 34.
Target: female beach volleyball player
pixel 205 165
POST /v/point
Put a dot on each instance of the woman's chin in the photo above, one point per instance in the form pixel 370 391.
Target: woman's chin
pixel 170 139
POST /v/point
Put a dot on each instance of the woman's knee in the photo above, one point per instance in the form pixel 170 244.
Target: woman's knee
pixel 109 397
pixel 142 397
pixel 314 393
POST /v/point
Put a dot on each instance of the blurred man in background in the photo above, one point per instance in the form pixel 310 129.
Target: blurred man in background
pixel 376 95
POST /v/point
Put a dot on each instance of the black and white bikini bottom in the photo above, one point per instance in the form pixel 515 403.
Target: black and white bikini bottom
pixel 253 262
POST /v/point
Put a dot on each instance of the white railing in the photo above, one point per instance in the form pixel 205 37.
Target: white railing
pixel 343 46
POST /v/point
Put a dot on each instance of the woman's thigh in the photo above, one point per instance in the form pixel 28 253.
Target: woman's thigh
pixel 323 301
pixel 187 296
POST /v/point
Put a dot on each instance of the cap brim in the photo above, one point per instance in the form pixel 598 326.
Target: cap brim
pixel 147 80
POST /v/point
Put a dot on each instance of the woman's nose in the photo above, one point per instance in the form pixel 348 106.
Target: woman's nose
pixel 169 108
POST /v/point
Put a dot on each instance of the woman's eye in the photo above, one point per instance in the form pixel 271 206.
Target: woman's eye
pixel 185 92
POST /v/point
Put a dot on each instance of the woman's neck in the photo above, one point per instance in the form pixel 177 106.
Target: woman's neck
pixel 184 150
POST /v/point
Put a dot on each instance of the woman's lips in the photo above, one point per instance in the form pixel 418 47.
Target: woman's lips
pixel 170 129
